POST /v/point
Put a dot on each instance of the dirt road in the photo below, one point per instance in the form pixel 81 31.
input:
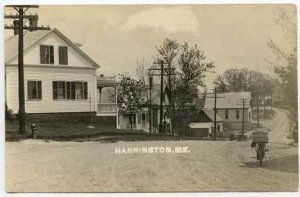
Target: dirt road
pixel 279 127
pixel 37 166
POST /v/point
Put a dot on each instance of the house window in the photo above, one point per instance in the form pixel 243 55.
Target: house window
pixel 78 90
pixel 47 54
pixel 34 89
pixel 226 113
pixel 237 114
pixel 63 55
pixel 70 90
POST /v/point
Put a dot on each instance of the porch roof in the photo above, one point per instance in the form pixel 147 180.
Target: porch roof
pixel 106 81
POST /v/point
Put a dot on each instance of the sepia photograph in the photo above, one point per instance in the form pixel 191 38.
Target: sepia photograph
pixel 140 98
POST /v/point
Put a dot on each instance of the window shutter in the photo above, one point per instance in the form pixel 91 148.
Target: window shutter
pixel 54 90
pixel 66 55
pixel 60 55
pixel 39 90
pixel 63 55
pixel 73 90
pixel 68 90
pixel 51 54
pixel 29 90
pixel 85 90
pixel 42 54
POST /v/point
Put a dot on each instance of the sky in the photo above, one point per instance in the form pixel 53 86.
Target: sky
pixel 117 36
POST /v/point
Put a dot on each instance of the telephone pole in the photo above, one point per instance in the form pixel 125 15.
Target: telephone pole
pixel 243 123
pixel 161 110
pixel 215 116
pixel 150 102
pixel 19 26
pixel 215 96
pixel 161 75
pixel 257 96
pixel 244 102
pixel 172 107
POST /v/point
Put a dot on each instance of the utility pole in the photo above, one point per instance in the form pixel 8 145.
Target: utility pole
pixel 243 123
pixel 215 115
pixel 161 109
pixel 150 102
pixel 257 97
pixel 21 74
pixel 215 96
pixel 257 110
pixel 161 75
pixel 171 109
pixel 265 114
pixel 243 116
pixel 20 27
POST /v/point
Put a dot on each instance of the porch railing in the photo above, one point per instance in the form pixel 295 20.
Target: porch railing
pixel 107 108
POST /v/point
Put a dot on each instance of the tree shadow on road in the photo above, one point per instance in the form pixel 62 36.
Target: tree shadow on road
pixel 284 164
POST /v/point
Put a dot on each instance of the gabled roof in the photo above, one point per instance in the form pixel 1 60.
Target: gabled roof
pixel 103 81
pixel 31 38
pixel 210 114
pixel 231 100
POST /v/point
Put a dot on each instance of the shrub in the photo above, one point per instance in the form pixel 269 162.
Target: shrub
pixel 8 113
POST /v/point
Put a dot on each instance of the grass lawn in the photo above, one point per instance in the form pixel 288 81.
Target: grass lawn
pixel 65 129
pixel 78 131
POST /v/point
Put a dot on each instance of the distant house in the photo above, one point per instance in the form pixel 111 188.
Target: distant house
pixel 140 119
pixel 230 108
pixel 202 124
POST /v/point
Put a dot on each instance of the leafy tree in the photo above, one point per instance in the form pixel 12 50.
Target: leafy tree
pixel 130 93
pixel 191 71
pixel 236 80
pixel 168 52
pixel 221 84
pixel 285 65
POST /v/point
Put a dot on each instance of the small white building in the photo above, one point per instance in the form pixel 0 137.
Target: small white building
pixel 141 119
pixel 230 108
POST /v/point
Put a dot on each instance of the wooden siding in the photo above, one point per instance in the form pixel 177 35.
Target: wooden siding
pixel 232 114
pixel 32 54
pixel 47 75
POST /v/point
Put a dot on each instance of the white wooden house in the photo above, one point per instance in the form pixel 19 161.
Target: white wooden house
pixel 230 108
pixel 59 77
pixel 141 118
